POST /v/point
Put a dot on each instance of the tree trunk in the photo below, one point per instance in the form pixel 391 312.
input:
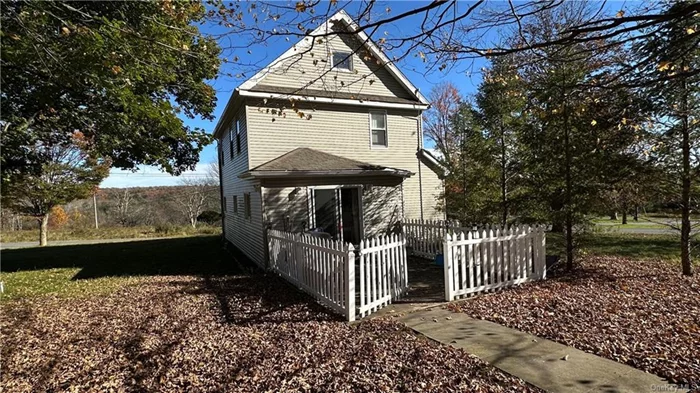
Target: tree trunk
pixel 569 185
pixel 504 186
pixel 686 262
pixel 613 216
pixel 624 217
pixel 44 229
pixel 636 213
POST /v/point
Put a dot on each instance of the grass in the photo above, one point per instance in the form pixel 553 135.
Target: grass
pixel 633 245
pixel 74 271
pixel 139 232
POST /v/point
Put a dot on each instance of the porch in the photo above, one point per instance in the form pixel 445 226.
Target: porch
pixel 310 191
pixel 361 280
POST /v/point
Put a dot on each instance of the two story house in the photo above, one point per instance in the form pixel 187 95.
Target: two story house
pixel 328 138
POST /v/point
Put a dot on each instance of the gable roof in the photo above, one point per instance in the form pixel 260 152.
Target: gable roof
pixel 340 16
pixel 304 161
pixel 252 88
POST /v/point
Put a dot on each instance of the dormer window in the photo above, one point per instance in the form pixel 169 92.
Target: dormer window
pixel 342 61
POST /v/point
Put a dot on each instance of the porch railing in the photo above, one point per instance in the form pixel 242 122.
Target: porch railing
pixel 326 269
pixel 323 268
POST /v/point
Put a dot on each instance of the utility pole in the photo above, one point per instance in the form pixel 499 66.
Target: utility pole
pixel 94 205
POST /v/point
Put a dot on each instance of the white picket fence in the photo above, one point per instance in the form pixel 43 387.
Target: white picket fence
pixel 383 272
pixel 425 238
pixel 478 261
pixel 321 267
pixel 326 270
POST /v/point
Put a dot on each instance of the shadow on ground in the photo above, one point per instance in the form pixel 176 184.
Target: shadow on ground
pixel 202 256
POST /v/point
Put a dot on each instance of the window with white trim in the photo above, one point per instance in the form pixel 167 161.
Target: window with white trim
pixel 342 60
pixel 238 136
pixel 377 129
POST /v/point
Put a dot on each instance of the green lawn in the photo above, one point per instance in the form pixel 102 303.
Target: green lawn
pixel 606 223
pixel 92 269
pixel 632 245
pixel 140 232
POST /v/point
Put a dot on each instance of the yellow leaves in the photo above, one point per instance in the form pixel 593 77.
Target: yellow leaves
pixel 624 121
pixel 14 37
pixel 422 56
pixel 620 14
pixel 65 30
pixel 116 69
pixel 664 65
pixel 185 47
pixel 593 122
pixel 690 30
pixel 300 7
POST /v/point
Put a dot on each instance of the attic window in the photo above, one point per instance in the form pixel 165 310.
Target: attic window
pixel 342 61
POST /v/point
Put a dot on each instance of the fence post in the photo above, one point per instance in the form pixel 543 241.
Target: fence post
pixel 447 266
pixel 350 284
pixel 543 254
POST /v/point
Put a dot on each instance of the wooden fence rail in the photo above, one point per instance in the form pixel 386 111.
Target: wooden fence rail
pixel 477 261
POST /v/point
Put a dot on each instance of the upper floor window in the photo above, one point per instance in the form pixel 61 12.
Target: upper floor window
pixel 238 136
pixel 342 60
pixel 230 138
pixel 377 125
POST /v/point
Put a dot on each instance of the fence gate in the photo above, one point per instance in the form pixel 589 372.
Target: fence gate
pixel 383 272
pixel 477 261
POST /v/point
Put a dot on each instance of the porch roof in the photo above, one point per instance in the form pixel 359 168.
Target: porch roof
pixel 306 162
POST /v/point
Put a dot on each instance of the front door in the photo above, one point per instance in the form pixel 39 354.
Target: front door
pixel 336 211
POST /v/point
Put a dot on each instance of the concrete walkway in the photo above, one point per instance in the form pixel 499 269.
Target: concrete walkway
pixel 537 361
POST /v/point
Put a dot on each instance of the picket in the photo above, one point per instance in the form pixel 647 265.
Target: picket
pixel 492 259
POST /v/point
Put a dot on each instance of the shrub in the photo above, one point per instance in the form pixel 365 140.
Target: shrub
pixel 210 217
pixel 165 228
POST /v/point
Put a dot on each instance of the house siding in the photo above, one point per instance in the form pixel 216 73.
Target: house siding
pixel 344 131
pixel 244 233
pixel 311 69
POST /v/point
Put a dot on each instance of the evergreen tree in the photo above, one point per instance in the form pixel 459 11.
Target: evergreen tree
pixel 670 58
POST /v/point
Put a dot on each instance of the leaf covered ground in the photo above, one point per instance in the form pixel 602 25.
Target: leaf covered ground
pixel 221 333
pixel 642 313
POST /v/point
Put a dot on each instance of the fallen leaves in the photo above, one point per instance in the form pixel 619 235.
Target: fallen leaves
pixel 642 313
pixel 228 333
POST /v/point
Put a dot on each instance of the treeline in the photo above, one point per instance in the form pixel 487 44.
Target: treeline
pixel 559 133
pixel 190 205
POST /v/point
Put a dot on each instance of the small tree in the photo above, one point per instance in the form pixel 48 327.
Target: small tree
pixel 194 197
pixel 65 172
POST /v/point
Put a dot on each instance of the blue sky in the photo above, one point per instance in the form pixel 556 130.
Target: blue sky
pixel 465 76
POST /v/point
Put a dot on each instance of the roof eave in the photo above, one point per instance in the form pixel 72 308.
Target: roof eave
pixel 345 101
pixel 339 173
